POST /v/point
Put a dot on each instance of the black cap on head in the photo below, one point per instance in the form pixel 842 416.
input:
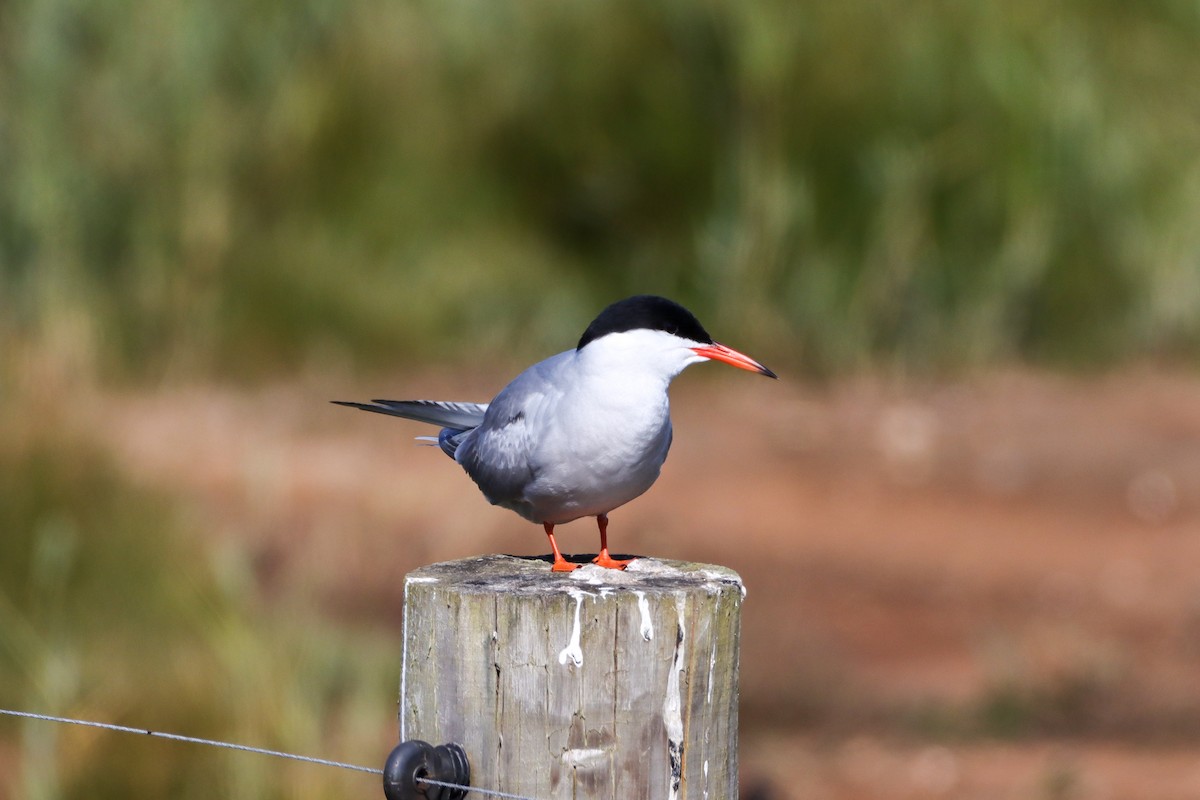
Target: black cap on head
pixel 646 311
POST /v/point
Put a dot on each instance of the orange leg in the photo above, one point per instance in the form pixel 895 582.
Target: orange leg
pixel 604 559
pixel 560 563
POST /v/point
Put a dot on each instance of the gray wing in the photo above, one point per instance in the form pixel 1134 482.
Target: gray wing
pixel 460 416
pixel 498 455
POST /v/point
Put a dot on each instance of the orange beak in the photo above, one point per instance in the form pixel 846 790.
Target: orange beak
pixel 719 352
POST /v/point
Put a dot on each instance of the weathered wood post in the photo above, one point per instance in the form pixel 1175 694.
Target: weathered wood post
pixel 590 684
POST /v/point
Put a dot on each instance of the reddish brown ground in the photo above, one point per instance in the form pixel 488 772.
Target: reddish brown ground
pixel 984 589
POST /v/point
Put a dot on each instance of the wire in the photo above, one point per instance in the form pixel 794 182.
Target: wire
pixel 176 737
pixel 246 749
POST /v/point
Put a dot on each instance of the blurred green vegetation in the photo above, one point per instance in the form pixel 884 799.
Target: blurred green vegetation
pixel 242 188
pixel 233 190
pixel 107 613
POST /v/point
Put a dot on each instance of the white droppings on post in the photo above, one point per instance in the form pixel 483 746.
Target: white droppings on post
pixel 712 666
pixel 706 779
pixel 673 704
pixel 717 577
pixel 404 659
pixel 573 651
pixel 593 575
pixel 582 757
pixel 420 579
pixel 644 611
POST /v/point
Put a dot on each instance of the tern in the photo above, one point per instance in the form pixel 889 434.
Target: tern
pixel 583 432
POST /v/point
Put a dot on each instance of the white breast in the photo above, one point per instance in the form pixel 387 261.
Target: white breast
pixel 600 452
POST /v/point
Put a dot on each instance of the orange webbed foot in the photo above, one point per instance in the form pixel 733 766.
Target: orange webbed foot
pixel 608 562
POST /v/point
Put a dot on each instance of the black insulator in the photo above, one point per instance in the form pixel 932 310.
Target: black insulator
pixel 412 761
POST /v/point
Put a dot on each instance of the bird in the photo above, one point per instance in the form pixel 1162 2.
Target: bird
pixel 582 432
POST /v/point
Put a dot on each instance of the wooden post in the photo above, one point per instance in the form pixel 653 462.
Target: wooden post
pixel 585 685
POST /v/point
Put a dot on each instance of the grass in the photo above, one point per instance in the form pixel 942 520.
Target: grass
pixel 240 189
pixel 109 612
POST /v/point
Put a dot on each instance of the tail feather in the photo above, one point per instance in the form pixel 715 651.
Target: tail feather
pixel 462 416
pixel 449 439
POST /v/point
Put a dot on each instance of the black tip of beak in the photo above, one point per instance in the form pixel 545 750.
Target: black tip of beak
pixel 764 371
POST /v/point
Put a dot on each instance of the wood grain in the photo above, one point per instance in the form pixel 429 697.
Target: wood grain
pixel 592 684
